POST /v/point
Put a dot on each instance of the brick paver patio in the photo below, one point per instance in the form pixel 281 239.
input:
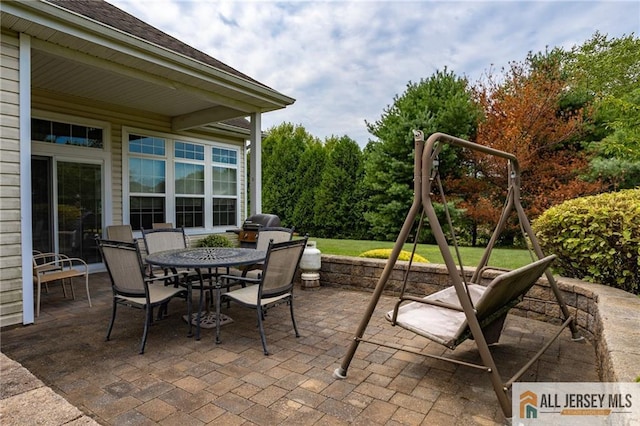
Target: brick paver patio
pixel 180 381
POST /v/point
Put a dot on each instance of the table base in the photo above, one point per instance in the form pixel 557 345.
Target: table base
pixel 208 319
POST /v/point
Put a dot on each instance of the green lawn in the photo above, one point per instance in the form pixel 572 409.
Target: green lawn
pixel 500 257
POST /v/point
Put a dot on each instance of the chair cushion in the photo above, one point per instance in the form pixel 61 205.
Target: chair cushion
pixel 157 294
pixel 249 296
pixel 439 324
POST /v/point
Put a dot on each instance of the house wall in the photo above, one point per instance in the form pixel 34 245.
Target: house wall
pixel 118 118
pixel 10 247
pixel 11 296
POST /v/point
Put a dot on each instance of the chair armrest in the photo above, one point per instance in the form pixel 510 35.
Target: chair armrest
pixel 235 278
pixel 47 259
pixel 167 278
pixel 61 262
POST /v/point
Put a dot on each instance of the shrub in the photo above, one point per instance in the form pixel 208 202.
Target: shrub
pixel 596 238
pixel 384 254
pixel 215 240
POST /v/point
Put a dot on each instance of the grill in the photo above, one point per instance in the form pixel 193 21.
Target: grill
pixel 248 235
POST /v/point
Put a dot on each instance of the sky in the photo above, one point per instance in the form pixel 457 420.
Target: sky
pixel 344 61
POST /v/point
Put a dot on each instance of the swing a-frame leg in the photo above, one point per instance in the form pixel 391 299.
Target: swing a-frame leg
pixel 469 309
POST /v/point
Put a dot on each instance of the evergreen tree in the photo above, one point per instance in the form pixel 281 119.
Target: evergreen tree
pixel 309 176
pixel 282 150
pixel 338 211
pixel 441 103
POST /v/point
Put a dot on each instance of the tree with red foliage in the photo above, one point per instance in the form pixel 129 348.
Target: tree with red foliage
pixel 522 116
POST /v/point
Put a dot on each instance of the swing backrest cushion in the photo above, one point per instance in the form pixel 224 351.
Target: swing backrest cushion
pixel 506 289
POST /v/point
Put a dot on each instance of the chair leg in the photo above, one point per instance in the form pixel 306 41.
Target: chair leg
pixel 38 297
pixel 73 293
pixel 261 327
pixel 86 284
pixel 163 311
pixel 113 318
pixel 64 289
pixel 147 320
pixel 293 319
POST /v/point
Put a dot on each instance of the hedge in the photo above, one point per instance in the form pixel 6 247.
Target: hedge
pixel 596 238
pixel 385 253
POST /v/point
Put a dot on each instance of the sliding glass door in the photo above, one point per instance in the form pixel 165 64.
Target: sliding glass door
pixel 67 205
pixel 42 204
pixel 79 209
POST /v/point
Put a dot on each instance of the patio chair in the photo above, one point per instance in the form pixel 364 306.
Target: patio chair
pixel 120 233
pixel 275 286
pixel 57 267
pixel 161 239
pixel 265 236
pixel 131 287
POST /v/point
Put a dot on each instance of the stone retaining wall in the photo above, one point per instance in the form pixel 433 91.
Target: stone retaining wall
pixel 608 317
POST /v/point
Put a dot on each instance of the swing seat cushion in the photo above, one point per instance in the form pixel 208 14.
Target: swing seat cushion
pixel 449 327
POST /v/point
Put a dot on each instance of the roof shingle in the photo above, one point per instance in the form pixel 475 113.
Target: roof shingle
pixel 114 17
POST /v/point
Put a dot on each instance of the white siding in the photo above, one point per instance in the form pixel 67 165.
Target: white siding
pixel 10 246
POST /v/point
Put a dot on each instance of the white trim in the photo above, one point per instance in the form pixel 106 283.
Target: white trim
pixel 77 154
pixel 25 178
pixel 256 164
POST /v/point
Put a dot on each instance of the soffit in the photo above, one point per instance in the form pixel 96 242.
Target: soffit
pixel 137 75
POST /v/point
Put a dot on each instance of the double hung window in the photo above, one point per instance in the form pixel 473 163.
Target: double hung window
pixel 225 186
pixel 189 184
pixel 147 180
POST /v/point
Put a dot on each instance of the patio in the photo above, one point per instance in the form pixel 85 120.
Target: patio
pixel 183 381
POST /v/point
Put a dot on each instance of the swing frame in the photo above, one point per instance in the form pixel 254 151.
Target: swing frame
pixel 425 169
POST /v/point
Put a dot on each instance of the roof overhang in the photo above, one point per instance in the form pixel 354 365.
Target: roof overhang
pixel 73 55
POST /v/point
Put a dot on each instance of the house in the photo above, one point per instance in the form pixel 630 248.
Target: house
pixel 108 120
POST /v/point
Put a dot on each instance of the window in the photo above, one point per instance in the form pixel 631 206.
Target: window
pixel 189 185
pixel 225 186
pixel 147 181
pixel 193 184
pixel 66 133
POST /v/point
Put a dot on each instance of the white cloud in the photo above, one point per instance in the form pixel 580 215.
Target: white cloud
pixel 345 60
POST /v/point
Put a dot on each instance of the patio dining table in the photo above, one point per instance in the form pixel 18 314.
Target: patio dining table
pixel 204 258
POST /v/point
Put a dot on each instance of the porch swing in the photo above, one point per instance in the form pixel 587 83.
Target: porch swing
pixel 467 309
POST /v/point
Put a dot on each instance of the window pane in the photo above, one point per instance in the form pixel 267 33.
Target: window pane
pixel 146 145
pixel 224 212
pixel 190 212
pixel 146 176
pixel 225 156
pixel 189 150
pixel 145 211
pixel 41 130
pixel 224 181
pixel 94 137
pixel 189 178
pixel 61 133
